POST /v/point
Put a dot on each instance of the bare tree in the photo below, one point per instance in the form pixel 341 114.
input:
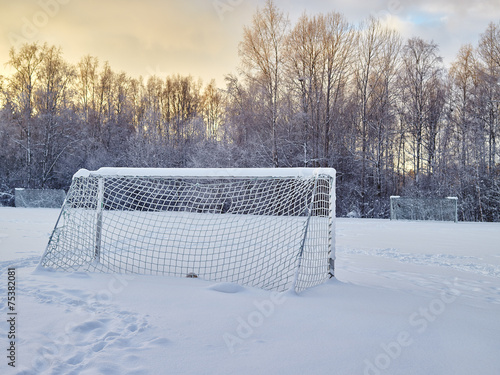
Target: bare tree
pixel 53 97
pixel 464 90
pixel 339 40
pixel 21 86
pixel 86 87
pixel 489 53
pixel 318 56
pixel 420 73
pixel 262 54
pixel 377 52
pixel 212 110
pixel 305 58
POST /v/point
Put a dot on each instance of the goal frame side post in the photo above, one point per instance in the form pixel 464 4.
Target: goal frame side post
pixel 333 209
pixel 99 209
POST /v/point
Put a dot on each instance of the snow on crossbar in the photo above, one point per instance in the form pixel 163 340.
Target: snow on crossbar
pixel 267 228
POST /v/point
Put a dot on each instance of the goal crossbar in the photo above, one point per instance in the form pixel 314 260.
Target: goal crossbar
pixel 208 172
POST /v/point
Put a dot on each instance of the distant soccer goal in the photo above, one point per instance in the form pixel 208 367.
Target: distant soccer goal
pixel 444 209
pixel 267 228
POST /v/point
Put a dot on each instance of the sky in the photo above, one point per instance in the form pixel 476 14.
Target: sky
pixel 201 37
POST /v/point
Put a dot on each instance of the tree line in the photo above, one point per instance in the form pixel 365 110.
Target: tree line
pixel 321 92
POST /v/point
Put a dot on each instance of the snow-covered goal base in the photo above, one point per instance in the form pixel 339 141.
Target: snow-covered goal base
pixel 442 209
pixel 266 228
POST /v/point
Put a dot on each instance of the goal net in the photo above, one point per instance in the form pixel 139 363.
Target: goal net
pixel 266 228
pixel 442 209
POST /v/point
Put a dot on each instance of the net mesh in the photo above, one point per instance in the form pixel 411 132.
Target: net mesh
pixel 441 209
pixel 271 233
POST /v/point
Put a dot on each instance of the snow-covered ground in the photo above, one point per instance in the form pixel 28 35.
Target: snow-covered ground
pixel 409 298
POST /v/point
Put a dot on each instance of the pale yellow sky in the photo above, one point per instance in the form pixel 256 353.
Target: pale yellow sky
pixel 200 37
pixel 139 37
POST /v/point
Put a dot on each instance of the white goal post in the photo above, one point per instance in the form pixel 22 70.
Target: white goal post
pixel 271 228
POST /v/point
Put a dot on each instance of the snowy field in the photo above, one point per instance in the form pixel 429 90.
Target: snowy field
pixel 409 298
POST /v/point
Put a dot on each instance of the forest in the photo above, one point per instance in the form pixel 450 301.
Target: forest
pixel 386 113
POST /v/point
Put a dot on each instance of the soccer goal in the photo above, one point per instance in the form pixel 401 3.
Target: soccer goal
pixel 442 209
pixel 267 228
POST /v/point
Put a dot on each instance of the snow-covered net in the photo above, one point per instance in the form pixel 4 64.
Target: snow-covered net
pixel 262 228
pixel 442 209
